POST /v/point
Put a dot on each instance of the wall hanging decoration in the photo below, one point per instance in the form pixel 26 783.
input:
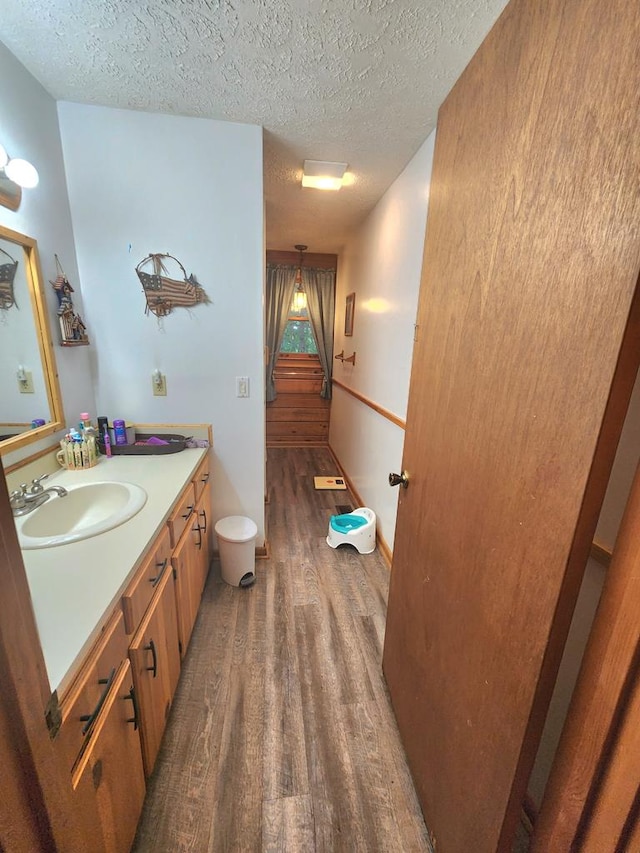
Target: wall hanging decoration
pixel 7 275
pixel 72 328
pixel 164 293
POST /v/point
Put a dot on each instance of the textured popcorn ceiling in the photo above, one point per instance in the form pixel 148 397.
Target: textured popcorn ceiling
pixel 356 81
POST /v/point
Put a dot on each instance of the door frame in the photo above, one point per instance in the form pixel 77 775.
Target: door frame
pixel 592 791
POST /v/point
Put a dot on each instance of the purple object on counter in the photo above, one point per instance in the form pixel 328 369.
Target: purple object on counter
pixel 155 440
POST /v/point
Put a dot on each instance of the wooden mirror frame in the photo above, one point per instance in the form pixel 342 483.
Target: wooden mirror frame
pixel 35 283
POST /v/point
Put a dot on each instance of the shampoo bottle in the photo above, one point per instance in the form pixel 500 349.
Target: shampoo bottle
pixel 120 432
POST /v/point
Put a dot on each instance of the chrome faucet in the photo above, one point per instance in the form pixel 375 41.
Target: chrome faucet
pixel 27 497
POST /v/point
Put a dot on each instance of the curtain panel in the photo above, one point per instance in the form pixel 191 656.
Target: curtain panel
pixel 280 287
pixel 320 287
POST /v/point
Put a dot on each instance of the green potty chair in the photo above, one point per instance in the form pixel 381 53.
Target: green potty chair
pixel 357 528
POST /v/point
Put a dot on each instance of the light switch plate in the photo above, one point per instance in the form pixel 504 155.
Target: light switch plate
pixel 242 386
pixel 159 384
pixel 26 386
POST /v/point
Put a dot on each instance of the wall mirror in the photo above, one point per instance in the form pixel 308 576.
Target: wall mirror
pixel 29 390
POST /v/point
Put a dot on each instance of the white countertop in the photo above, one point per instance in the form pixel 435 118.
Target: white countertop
pixel 73 587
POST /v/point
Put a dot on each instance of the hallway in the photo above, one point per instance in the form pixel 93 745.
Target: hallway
pixel 281 735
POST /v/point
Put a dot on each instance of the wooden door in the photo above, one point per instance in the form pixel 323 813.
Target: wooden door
pixel 526 353
pixel 155 659
pixel 38 807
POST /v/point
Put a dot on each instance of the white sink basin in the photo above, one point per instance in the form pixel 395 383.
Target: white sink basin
pixel 86 511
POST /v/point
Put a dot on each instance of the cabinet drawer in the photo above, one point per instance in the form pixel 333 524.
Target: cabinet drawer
pixel 83 701
pixel 182 515
pixel 201 477
pixel 140 591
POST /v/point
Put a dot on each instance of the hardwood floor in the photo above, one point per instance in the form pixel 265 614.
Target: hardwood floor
pixel 281 736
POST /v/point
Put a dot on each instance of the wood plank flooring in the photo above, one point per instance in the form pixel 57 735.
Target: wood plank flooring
pixel 281 736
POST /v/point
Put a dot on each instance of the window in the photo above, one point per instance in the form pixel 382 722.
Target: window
pixel 298 334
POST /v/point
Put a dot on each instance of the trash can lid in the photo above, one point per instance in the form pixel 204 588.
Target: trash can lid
pixel 236 528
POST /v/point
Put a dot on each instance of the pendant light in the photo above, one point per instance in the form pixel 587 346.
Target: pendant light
pixel 299 303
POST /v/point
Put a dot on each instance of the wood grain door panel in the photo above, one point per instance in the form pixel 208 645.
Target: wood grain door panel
pixel 524 363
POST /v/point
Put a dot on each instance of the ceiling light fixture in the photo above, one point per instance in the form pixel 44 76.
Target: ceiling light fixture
pixel 323 175
pixel 21 172
pixel 299 296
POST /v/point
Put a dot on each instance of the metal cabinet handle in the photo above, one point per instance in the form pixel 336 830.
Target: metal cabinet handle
pixel 197 529
pixel 205 479
pixel 399 480
pixel 132 695
pixel 88 719
pixel 190 510
pixel 162 566
pixel 154 667
pixel 203 513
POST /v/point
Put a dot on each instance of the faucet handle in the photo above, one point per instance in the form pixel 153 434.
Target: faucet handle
pixel 35 487
pixel 17 499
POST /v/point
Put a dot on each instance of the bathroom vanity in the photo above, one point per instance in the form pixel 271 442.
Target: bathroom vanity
pixel 115 614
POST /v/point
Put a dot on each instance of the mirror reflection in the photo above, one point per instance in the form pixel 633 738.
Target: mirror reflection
pixel 29 397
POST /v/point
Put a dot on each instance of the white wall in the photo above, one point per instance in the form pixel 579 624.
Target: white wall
pixel 141 183
pixel 381 263
pixel 29 129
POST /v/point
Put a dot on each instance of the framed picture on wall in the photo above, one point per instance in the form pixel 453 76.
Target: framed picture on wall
pixel 348 314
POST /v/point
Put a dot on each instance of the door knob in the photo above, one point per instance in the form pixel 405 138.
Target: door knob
pixel 399 480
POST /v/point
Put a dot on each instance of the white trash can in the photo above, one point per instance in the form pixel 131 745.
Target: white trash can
pixel 236 540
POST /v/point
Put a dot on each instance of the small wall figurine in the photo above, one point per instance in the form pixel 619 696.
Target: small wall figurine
pixel 72 328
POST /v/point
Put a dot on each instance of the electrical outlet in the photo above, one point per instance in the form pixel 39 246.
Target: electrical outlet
pixel 242 386
pixel 26 385
pixel 159 384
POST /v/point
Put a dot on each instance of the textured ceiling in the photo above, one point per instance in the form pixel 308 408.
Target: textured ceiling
pixel 356 81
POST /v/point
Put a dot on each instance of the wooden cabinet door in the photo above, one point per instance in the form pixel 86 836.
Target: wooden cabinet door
pixel 83 700
pixel 182 515
pixel 203 537
pixel 527 348
pixel 110 771
pixel 202 476
pixel 139 593
pixel 155 659
pixel 186 570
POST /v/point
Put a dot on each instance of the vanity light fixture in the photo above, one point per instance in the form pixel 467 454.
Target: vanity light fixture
pixel 323 175
pixel 21 172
